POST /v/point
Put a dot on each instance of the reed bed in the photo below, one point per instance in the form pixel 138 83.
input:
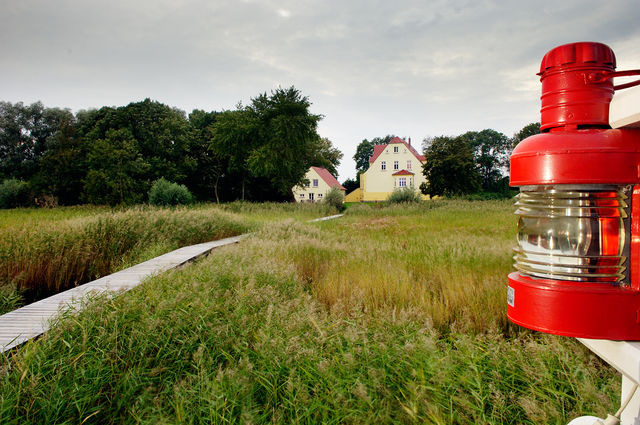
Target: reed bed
pixel 384 316
pixel 42 260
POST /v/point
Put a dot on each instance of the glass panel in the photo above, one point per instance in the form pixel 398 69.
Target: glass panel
pixel 571 234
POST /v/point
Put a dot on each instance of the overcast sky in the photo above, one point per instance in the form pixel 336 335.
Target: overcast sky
pixel 411 68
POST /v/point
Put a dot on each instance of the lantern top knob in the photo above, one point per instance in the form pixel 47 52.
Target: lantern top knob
pixel 576 55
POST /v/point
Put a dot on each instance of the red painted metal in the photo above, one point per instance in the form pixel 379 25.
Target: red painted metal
pixel 577 147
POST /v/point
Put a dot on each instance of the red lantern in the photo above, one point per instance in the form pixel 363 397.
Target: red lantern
pixel 578 252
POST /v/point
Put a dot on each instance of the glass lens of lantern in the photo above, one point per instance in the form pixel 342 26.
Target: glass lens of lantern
pixel 571 233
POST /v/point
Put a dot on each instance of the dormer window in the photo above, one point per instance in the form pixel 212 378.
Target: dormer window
pixel 395 149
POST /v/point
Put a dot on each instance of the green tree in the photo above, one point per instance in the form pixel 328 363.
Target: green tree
pixel 210 166
pixel 115 171
pixel 350 185
pixel 62 167
pixel 364 151
pixel 24 133
pixel 288 138
pixel 161 135
pixel 491 150
pixel 326 156
pixel 270 144
pixel 234 135
pixel 450 168
pixel 526 131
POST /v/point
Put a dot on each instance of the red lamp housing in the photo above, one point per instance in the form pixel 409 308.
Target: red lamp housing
pixel 578 252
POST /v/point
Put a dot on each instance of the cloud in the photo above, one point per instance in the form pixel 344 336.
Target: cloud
pixel 409 67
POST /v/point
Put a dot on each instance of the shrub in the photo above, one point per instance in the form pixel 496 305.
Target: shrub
pixel 335 198
pixel 164 192
pixel 14 193
pixel 404 195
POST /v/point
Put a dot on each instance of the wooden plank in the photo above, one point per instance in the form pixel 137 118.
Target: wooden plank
pixel 30 321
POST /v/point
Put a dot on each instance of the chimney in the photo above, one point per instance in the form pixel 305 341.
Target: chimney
pixel 409 141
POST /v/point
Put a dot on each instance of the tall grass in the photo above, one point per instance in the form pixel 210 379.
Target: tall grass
pixel 72 252
pixel 333 322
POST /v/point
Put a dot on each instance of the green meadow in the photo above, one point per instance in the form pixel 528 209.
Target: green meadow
pixel 390 314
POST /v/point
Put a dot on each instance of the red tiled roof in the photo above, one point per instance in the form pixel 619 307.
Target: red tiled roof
pixel 403 173
pixel 377 150
pixel 328 178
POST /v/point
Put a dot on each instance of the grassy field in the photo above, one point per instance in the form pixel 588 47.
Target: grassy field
pixel 387 315
pixel 44 251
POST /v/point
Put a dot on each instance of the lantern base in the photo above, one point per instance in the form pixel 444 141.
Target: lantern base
pixel 576 309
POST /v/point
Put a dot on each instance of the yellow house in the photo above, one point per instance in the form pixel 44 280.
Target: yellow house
pixel 320 181
pixel 393 166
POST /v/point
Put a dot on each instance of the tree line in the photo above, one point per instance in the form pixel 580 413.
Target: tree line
pixel 112 155
pixel 473 162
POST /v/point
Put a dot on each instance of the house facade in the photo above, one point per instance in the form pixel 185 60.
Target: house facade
pixel 396 165
pixel 320 181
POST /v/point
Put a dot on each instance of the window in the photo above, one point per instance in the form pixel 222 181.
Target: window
pixel 319 195
pixel 408 165
pixel 402 182
pixel 396 166
pixel 383 165
pixel 315 182
pixel 311 196
pixel 302 196
pixel 395 149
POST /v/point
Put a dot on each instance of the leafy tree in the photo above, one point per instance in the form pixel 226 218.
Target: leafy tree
pixel 491 150
pixel 162 136
pixel 14 193
pixel 364 151
pixel 288 138
pixel 234 135
pixel 526 131
pixel 326 156
pixel 350 185
pixel 24 132
pixel 270 144
pixel 116 169
pixel 62 166
pixel 450 168
pixel 210 166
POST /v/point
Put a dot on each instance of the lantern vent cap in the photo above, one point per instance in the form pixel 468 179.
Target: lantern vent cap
pixel 578 55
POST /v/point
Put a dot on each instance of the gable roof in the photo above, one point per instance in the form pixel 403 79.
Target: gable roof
pixel 377 150
pixel 328 178
pixel 403 173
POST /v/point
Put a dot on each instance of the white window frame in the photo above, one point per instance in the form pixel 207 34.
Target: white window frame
pixel 302 196
pixel 402 182
pixel 409 164
pixel 315 182
pixel 383 166
pixel 319 195
pixel 396 149
pixel 396 165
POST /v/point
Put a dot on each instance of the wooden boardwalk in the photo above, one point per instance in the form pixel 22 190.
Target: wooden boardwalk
pixel 34 319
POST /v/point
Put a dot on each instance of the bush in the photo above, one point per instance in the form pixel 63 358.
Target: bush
pixel 14 193
pixel 404 195
pixel 164 193
pixel 335 198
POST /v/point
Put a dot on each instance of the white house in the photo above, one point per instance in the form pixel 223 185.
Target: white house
pixel 393 166
pixel 320 181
